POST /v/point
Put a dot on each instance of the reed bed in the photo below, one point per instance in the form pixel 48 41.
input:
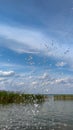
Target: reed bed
pixel 15 97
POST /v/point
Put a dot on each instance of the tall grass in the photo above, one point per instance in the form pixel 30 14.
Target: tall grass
pixel 63 97
pixel 11 97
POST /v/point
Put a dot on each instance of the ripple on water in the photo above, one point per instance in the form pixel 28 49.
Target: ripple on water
pixel 35 116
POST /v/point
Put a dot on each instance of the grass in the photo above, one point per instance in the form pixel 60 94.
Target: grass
pixel 11 97
pixel 63 97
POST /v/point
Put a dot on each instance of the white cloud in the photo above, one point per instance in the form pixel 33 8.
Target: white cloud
pixel 34 83
pixel 45 75
pixel 2 79
pixel 6 73
pixel 60 80
pixel 60 64
pixel 30 83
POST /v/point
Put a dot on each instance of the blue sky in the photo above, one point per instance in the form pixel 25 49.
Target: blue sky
pixel 36 46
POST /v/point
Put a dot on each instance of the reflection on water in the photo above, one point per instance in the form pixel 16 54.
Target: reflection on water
pixel 49 115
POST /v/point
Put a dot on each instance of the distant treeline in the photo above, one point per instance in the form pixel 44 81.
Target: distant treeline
pixel 12 97
pixel 63 97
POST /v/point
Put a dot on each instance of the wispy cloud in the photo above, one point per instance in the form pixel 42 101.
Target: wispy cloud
pixel 24 40
pixel 29 40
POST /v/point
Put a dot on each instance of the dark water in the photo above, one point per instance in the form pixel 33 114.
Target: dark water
pixel 49 115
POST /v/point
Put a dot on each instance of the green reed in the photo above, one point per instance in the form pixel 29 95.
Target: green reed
pixel 16 97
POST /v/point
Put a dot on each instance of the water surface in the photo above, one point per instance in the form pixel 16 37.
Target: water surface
pixel 48 115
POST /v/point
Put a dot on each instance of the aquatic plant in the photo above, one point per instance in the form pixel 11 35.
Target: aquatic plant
pixel 16 97
pixel 63 97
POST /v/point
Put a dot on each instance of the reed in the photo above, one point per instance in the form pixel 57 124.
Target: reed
pixel 12 97
pixel 63 97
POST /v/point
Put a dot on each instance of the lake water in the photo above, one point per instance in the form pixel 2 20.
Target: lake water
pixel 49 115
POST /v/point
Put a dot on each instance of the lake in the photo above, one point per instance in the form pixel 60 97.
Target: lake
pixel 48 115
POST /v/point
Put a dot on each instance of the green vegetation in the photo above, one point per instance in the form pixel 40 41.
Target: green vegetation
pixel 11 97
pixel 63 97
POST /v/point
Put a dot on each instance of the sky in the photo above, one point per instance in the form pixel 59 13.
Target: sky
pixel 36 46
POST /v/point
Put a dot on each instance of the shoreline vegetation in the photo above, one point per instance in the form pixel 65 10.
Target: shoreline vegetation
pixel 63 97
pixel 7 97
